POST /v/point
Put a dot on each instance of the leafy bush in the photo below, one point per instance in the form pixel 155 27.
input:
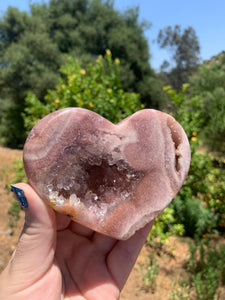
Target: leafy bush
pixel 96 88
pixel 165 225
pixel 182 292
pixel 215 198
pixel 200 205
pixel 206 269
pixel 149 273
pixel 193 215
pixel 208 85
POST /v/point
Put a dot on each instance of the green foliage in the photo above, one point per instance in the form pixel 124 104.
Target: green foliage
pixel 81 28
pixel 206 285
pixel 165 225
pixel 12 128
pixel 208 85
pixel 206 268
pixel 15 207
pixel 205 183
pixel 185 49
pixel 96 88
pixel 200 205
pixel 187 112
pixel 14 213
pixel 215 198
pixel 33 48
pixel 29 61
pixel 149 273
pixel 19 175
pixel 182 292
pixel 193 215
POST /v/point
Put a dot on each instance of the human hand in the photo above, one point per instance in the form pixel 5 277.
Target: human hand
pixel 57 258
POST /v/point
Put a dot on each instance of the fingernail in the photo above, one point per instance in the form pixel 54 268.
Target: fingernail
pixel 19 195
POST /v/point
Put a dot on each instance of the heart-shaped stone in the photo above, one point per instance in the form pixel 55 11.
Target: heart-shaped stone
pixel 111 178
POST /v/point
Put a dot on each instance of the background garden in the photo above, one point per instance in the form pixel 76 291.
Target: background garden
pixel 87 54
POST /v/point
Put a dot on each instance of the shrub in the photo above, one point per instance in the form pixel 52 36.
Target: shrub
pixel 200 205
pixel 165 225
pixel 96 87
pixel 208 85
pixel 149 273
pixel 206 269
pixel 195 217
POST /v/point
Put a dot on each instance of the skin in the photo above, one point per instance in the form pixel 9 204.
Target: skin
pixel 59 259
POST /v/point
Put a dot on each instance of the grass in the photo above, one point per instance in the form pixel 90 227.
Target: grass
pixel 18 176
pixel 14 213
pixel 149 273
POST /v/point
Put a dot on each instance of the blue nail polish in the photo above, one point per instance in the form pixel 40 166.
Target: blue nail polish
pixel 19 196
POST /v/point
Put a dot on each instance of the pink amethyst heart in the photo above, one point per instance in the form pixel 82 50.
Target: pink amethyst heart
pixel 111 178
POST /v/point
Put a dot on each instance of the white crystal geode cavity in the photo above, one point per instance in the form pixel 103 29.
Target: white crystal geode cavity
pixel 111 178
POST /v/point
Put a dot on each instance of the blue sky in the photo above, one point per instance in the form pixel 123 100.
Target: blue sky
pixel 207 17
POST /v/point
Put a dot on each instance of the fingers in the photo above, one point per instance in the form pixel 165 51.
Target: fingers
pixel 35 251
pixel 124 254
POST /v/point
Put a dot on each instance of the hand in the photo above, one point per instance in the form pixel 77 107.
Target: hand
pixel 57 258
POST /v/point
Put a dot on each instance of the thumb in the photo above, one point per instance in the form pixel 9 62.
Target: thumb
pixel 34 254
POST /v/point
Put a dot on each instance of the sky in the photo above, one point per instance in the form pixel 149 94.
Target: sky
pixel 207 17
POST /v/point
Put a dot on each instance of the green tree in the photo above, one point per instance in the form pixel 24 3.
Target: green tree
pixel 32 49
pixel 185 49
pixel 86 29
pixel 97 88
pixel 208 84
pixel 29 61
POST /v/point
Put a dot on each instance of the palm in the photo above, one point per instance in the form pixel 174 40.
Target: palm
pixel 92 265
pixel 84 261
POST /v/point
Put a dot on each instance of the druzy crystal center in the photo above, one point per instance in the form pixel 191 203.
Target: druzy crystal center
pixel 97 182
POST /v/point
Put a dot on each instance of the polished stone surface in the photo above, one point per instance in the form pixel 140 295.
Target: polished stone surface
pixel 111 178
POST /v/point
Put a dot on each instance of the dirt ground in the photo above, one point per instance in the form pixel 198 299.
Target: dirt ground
pixel 171 259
